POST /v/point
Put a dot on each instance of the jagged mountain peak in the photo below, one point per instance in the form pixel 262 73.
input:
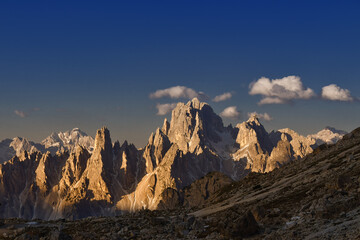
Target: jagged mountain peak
pixel 253 119
pixel 252 131
pixel 103 147
pixel 125 144
pixel 102 136
pixel 166 126
pixel 194 123
pixel 195 103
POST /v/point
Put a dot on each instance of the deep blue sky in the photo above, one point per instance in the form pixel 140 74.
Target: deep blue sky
pixel 87 64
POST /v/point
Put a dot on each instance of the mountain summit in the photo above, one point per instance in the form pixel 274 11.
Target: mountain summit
pixel 328 135
pixel 68 140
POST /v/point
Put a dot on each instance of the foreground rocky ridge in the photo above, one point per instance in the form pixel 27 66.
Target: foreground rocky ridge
pixel 317 197
pixel 115 178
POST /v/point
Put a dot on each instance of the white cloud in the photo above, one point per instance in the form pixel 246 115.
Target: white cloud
pixel 177 92
pixel 20 113
pixel 222 97
pixel 335 93
pixel 279 91
pixel 272 100
pixel 164 109
pixel 264 116
pixel 230 112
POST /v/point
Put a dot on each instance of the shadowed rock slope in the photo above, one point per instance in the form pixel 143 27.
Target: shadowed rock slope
pixel 317 197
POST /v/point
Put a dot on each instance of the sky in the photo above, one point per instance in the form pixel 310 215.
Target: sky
pixel 88 64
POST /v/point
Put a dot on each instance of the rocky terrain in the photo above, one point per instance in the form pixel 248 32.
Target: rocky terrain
pixel 317 197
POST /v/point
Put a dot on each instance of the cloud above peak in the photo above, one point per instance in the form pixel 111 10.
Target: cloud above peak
pixel 177 92
pixel 280 91
pixel 263 116
pixel 334 93
pixel 164 109
pixel 222 97
pixel 230 112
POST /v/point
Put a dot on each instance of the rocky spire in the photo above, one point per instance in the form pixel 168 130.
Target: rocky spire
pixel 103 147
pixel 254 120
pixel 97 176
pixel 116 148
pixel 165 127
pixel 194 103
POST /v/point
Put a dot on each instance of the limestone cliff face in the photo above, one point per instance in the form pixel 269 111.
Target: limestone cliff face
pixel 128 167
pixel 301 146
pixel 252 132
pixel 28 185
pixel 264 152
pixel 193 125
pixel 280 155
pixel 99 166
pixel 254 145
pixel 149 190
pixel 156 148
pixel 73 169
pixel 92 192
pixel 289 146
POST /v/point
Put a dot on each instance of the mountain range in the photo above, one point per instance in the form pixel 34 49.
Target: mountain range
pixel 82 177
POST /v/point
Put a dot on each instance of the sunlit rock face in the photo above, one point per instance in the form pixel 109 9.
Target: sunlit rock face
pixel 194 125
pixel 194 143
pixel 112 178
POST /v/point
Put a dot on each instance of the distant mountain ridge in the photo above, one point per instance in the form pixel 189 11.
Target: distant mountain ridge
pixel 68 140
pixel 119 177
pixel 60 141
pixel 328 135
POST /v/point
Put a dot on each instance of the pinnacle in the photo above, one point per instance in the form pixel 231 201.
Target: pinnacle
pixel 194 103
pixel 254 118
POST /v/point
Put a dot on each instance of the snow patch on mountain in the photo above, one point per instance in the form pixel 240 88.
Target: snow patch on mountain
pixel 55 142
pixel 328 135
pixel 69 140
